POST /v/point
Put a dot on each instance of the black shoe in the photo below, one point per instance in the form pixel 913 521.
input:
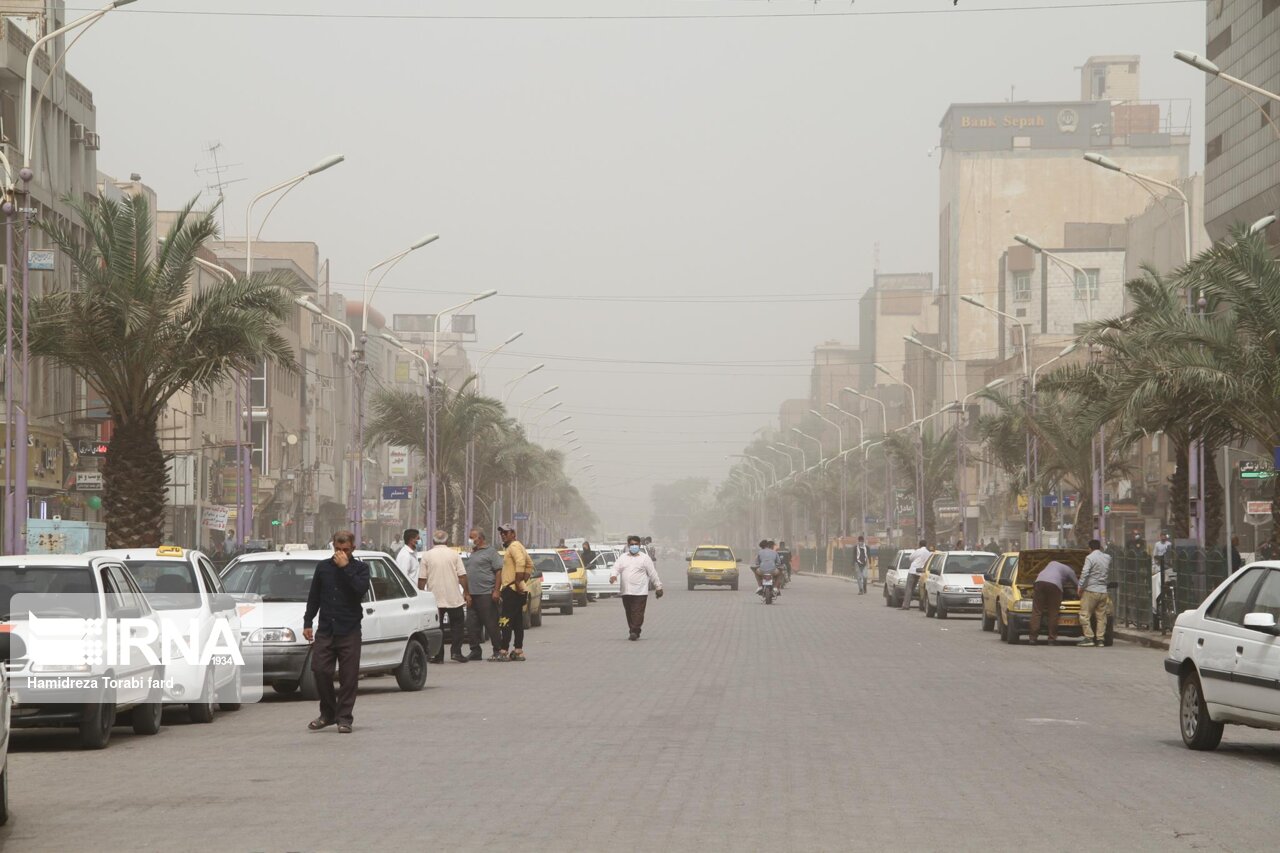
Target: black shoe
pixel 633 636
pixel 476 654
pixel 438 658
pixel 457 658
pixel 1035 641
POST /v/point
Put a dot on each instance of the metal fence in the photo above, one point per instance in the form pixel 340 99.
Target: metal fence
pixel 1190 575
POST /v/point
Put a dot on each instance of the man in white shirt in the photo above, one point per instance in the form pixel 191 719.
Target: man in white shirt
pixel 636 572
pixel 441 570
pixel 919 557
pixel 407 557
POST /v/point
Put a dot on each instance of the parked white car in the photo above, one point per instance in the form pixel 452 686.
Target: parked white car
pixel 1224 657
pixel 895 579
pixel 68 588
pixel 4 732
pixel 598 574
pixel 953 582
pixel 557 589
pixel 399 631
pixel 184 590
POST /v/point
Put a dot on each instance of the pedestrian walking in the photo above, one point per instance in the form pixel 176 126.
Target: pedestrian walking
pixel 1046 599
pixel 634 573
pixel 440 569
pixel 484 567
pixel 512 592
pixel 993 546
pixel 1094 601
pixel 861 560
pixel 338 587
pixel 407 556
pixel 919 557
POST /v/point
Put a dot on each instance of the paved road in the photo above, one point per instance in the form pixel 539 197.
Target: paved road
pixel 889 731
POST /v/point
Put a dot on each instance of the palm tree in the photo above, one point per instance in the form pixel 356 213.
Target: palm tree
pixel 939 468
pixel 133 328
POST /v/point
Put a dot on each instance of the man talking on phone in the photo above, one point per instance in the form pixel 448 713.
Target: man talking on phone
pixel 337 588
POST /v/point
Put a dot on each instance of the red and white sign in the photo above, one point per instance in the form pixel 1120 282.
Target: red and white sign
pixel 1257 507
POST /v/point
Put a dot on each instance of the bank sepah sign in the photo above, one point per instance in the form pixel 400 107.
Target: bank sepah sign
pixel 994 127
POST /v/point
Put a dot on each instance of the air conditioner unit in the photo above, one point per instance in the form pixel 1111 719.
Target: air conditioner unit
pixel 77 132
pixel 92 141
pixel 199 407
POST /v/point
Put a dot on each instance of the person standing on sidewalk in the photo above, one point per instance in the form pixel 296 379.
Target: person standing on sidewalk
pixel 634 572
pixel 511 594
pixel 919 557
pixel 483 569
pixel 337 590
pixel 407 557
pixel 861 560
pixel 1046 598
pixel 442 571
pixel 1094 600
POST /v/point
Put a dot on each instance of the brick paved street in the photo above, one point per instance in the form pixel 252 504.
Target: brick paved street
pixel 868 728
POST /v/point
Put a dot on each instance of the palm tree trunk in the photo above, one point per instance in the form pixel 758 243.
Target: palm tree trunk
pixel 134 483
pixel 1082 527
pixel 1214 497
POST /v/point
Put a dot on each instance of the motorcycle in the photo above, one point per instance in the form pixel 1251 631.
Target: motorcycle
pixel 767 583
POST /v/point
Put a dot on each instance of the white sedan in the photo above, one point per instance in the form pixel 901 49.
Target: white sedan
pixel 185 592
pixel 598 573
pixel 953 582
pixel 400 627
pixel 1224 657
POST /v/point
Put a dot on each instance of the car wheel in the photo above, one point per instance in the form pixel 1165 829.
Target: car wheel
pixel 95 725
pixel 988 622
pixel 4 796
pixel 1198 730
pixel 308 683
pixel 928 608
pixel 1002 624
pixel 285 688
pixel 1011 634
pixel 535 618
pixel 411 675
pixel 201 711
pixel 691 586
pixel 888 597
pixel 229 696
pixel 146 717
pixel 566 611
pixel 941 610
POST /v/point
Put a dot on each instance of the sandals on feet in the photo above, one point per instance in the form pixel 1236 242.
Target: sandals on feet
pixel 344 730
pixel 516 656
pixel 498 656
pixel 319 723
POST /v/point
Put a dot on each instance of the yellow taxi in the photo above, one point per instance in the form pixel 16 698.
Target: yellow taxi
pixel 713 565
pixel 577 571
pixel 1007 588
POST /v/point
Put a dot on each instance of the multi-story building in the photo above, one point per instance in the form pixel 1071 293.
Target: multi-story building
pixel 1011 168
pixel 1242 130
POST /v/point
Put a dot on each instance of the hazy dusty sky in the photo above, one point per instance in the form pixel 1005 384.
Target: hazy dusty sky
pixel 654 198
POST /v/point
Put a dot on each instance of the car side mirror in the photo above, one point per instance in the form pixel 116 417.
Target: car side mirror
pixel 1261 622
pixel 222 602
pixel 688 559
pixel 128 613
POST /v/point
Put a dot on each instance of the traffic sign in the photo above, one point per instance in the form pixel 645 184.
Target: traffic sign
pixel 1252 470
pixel 1257 507
pixel 521 516
pixel 396 493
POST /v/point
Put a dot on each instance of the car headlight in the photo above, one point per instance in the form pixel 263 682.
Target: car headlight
pixel 273 635
pixel 1022 604
pixel 953 589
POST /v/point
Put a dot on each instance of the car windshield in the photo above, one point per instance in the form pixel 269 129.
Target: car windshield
pixel 274 580
pixel 52 590
pixel 904 559
pixel 967 564
pixel 168 584
pixel 544 563
pixel 571 559
pixel 713 554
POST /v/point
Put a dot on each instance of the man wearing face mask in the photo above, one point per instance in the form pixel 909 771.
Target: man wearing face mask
pixel 484 567
pixel 636 572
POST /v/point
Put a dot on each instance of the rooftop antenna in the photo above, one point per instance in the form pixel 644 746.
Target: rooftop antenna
pixel 215 172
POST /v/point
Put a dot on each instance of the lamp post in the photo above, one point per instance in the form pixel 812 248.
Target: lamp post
pixel 844 500
pixel 1063 262
pixel 862 440
pixel 1037 508
pixel 822 509
pixel 244 434
pixel 791 468
pixel 919 449
pixel 804 459
pixel 964 455
pixel 889 515
pixel 955 389
pixel 357 510
pixel 511 384
pixel 1199 62
pixel 484 359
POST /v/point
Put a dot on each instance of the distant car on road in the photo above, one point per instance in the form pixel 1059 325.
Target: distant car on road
pixel 557 588
pixel 953 582
pixel 399 631
pixel 895 578
pixel 4 731
pixel 713 565
pixel 1224 657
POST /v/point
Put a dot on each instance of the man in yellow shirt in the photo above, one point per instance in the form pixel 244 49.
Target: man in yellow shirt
pixel 511 593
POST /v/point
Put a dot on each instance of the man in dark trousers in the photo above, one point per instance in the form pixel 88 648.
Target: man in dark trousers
pixel 1054 580
pixel 337 587
pixel 483 570
pixel 861 559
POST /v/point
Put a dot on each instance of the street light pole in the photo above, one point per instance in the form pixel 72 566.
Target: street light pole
pixel 357 498
pixel 889 514
pixel 919 450
pixel 955 388
pixel 484 359
pixel 844 501
pixel 1037 509
pixel 511 384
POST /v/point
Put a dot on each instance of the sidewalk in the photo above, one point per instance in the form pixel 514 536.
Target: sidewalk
pixel 1150 639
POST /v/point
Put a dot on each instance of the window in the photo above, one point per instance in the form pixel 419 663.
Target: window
pixel 1092 284
pixel 1007 573
pixel 1022 287
pixel 1218 44
pixel 259 441
pixel 1268 600
pixel 258 387
pixel 1213 149
pixel 1230 604
pixel 385 581
pixel 713 554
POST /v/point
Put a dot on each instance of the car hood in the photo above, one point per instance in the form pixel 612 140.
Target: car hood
pixel 721 565
pixel 1030 563
pixel 271 614
pixel 961 579
pixel 555 577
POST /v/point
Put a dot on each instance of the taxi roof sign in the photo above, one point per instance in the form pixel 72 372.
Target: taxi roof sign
pixel 293 547
pixel 169 551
